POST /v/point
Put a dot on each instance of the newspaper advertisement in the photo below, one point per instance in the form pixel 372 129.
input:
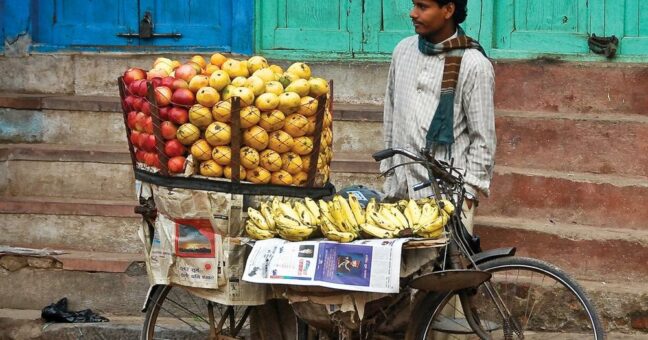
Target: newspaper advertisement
pixel 364 265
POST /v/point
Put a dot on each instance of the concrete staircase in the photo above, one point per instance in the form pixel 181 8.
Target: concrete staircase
pixel 570 185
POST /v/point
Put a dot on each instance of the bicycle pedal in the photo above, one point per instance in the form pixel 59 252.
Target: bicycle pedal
pixel 461 326
pixel 450 280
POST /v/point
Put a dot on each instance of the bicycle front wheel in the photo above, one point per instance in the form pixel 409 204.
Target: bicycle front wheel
pixel 176 313
pixel 540 300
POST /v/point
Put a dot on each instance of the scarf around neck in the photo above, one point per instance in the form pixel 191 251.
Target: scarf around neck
pixel 440 131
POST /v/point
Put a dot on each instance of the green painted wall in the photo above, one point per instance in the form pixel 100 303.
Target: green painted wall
pixel 518 29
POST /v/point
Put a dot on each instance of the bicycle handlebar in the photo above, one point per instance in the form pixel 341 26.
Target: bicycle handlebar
pixel 431 163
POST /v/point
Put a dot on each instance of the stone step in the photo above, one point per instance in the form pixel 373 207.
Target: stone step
pixel 588 252
pixel 114 283
pixel 569 197
pixel 564 197
pixel 88 225
pixel 596 143
pixel 520 85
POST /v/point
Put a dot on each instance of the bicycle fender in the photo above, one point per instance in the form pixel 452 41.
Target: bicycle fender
pixel 492 254
pixel 151 291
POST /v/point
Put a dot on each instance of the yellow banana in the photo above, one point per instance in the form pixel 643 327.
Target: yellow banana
pixel 336 212
pixel 402 204
pixel 386 213
pixel 371 206
pixel 258 218
pixel 347 213
pixel 340 236
pixel 402 220
pixel 357 210
pixel 257 233
pixel 377 219
pixel 287 222
pixel 325 211
pixel 314 209
pixel 295 232
pixel 286 210
pixel 376 231
pixel 267 214
pixel 437 224
pixel 412 213
pixel 447 206
pixel 274 206
pixel 434 234
pixel 304 214
pixel 429 213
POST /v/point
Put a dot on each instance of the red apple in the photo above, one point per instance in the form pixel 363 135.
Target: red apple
pixel 148 125
pixel 178 115
pixel 173 148
pixel 142 89
pixel 179 84
pixel 135 137
pixel 168 130
pixel 133 88
pixel 143 137
pixel 139 155
pixel 183 97
pixel 130 100
pixel 185 72
pixel 133 74
pixel 131 118
pixel 149 143
pixel 146 107
pixel 140 121
pixel 176 164
pixel 163 95
pixel 163 112
pixel 157 81
pixel 168 82
pixel 149 158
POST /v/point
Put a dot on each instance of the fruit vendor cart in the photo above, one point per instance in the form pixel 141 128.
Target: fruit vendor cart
pixel 204 165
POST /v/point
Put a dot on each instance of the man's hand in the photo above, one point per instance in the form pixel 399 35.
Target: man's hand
pixel 469 203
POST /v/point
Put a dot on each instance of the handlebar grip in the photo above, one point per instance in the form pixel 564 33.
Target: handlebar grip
pixel 422 185
pixel 383 154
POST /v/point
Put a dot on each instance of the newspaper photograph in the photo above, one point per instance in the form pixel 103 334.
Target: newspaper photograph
pixel 364 265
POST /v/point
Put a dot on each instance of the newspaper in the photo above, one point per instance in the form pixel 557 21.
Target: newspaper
pixel 364 265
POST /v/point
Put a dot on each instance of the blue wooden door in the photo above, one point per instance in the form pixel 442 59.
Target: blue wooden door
pixel 223 25
pixel 84 22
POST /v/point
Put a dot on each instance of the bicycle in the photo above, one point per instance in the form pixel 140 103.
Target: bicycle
pixel 498 294
pixel 503 306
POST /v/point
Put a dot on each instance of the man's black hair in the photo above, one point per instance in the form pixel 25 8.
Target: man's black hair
pixel 460 9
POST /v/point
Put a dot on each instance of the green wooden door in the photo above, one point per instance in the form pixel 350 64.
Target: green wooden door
pixel 628 20
pixel 339 28
pixel 385 23
pixel 545 26
pixel 307 27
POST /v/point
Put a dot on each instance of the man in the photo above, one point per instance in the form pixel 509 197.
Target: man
pixel 440 96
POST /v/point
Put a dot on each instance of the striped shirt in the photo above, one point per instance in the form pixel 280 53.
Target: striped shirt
pixel 412 96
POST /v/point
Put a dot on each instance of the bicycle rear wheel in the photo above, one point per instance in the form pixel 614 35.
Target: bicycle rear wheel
pixel 176 313
pixel 543 302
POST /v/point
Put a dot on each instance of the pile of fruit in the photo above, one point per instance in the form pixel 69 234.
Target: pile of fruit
pixel 345 220
pixel 193 101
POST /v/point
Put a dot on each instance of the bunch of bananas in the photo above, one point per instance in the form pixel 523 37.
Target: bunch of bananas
pixel 291 222
pixel 344 220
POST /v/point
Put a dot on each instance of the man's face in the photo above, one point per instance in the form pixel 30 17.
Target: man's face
pixel 429 17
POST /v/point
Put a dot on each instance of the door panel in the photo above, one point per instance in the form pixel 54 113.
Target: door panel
pixel 80 22
pixel 200 22
pixel 386 22
pixel 549 26
pixel 628 20
pixel 323 26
